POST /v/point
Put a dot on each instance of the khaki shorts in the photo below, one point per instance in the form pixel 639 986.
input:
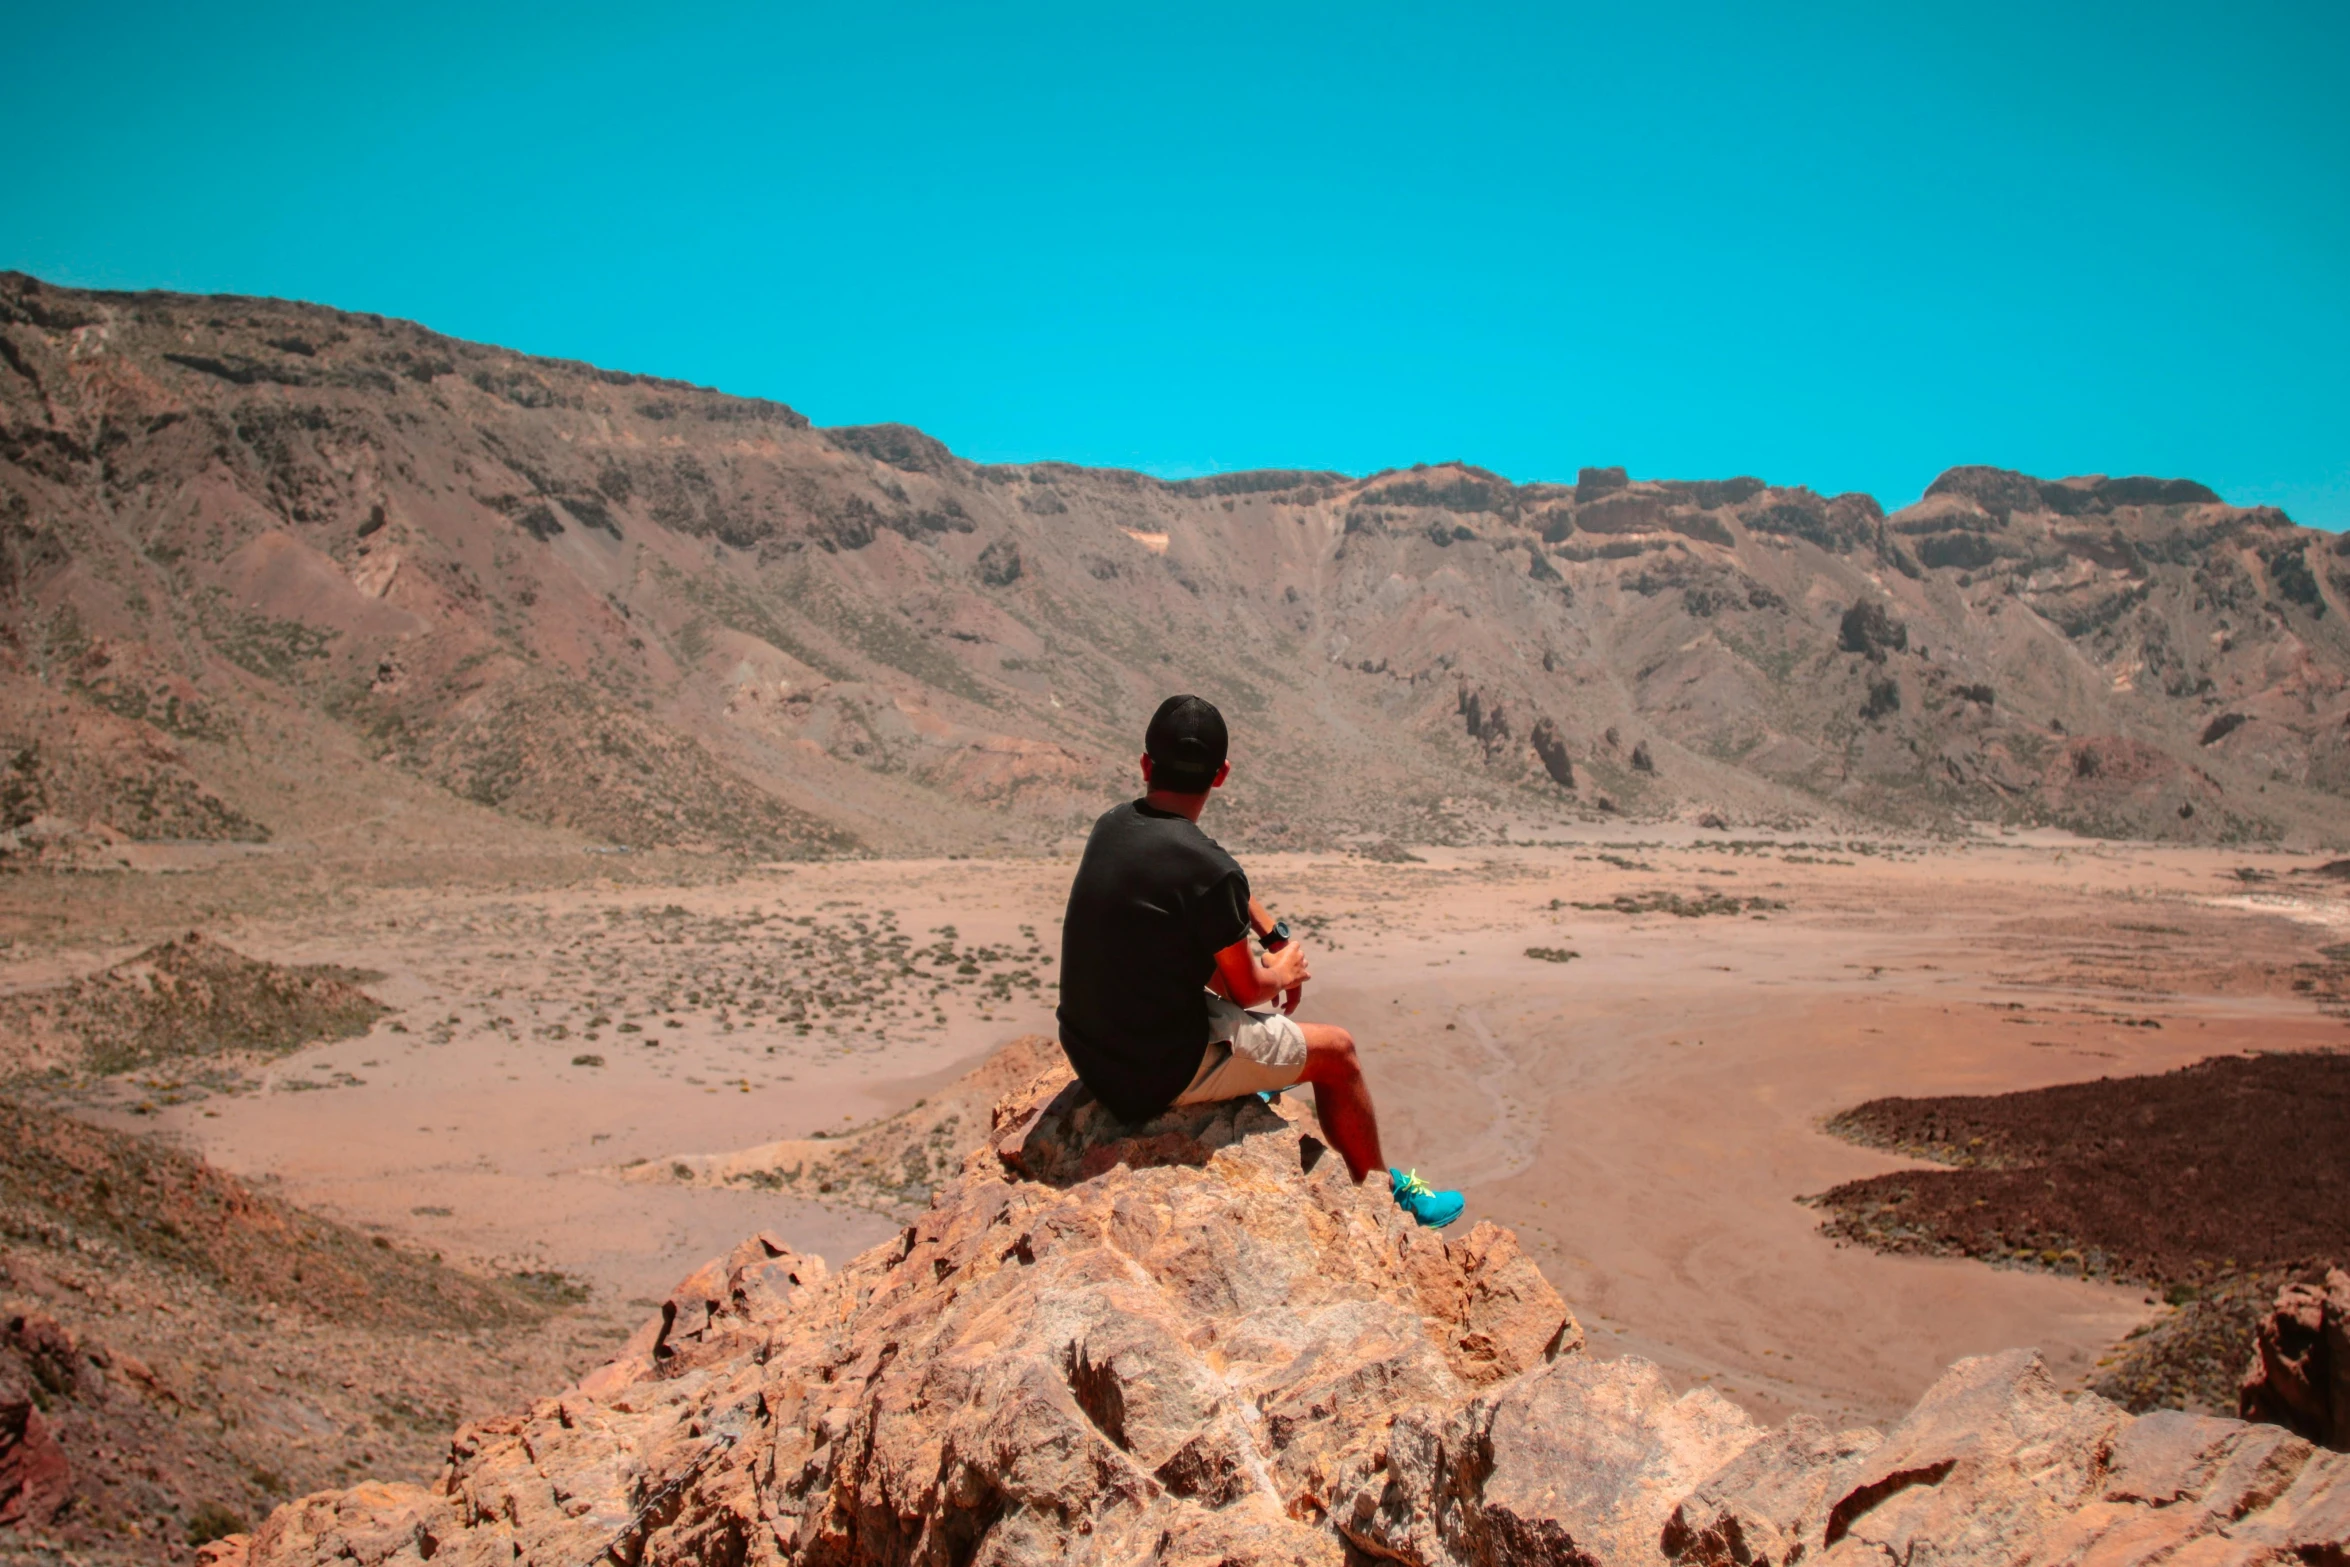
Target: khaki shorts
pixel 1248 1053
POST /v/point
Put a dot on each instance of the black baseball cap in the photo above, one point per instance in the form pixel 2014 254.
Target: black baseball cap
pixel 1187 744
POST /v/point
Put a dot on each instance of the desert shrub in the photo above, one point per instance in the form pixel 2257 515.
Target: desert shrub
pixel 213 1521
pixel 592 512
pixel 2289 570
pixel 1869 628
pixel 999 564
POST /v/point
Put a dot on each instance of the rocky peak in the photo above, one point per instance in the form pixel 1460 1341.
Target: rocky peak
pixel 1194 1340
pixel 2002 492
pixel 899 445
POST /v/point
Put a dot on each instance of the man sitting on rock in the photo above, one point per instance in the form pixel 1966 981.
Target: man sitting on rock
pixel 1158 913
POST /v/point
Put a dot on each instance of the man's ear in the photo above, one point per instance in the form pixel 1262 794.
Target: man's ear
pixel 1223 771
pixel 1146 769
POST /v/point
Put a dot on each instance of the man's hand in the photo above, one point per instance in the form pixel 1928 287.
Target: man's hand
pixel 1251 981
pixel 1274 936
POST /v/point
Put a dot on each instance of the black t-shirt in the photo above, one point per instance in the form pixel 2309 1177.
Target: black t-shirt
pixel 1154 901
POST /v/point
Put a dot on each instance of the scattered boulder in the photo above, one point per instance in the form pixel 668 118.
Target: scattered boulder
pixel 1550 748
pixel 2300 1374
pixel 1642 762
pixel 36 1482
pixel 1487 721
pixel 2221 727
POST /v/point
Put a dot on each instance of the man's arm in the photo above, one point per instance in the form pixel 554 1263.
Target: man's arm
pixel 1260 920
pixel 1250 981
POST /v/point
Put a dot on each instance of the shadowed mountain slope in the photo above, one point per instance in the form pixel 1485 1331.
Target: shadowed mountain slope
pixel 266 566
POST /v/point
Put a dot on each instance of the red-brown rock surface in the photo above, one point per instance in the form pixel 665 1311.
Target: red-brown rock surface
pixel 35 1479
pixel 180 1352
pixel 1195 1341
pixel 2300 1374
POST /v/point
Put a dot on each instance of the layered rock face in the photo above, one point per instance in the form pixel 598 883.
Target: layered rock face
pixel 1194 1341
pixel 266 568
pixel 2300 1374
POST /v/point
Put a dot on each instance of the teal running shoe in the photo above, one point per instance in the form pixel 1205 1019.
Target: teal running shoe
pixel 1433 1209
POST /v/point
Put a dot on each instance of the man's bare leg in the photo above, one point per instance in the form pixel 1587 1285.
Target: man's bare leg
pixel 1342 1099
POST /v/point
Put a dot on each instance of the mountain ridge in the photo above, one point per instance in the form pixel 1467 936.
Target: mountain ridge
pixel 264 566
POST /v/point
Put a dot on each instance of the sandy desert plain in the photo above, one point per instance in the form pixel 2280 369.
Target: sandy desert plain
pixel 1645 1113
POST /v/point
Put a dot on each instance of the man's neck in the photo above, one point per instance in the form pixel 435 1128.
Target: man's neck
pixel 1187 806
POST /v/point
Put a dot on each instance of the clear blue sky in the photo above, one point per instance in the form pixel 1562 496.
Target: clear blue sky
pixel 1842 246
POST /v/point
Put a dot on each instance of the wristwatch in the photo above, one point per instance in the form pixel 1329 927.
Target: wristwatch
pixel 1276 938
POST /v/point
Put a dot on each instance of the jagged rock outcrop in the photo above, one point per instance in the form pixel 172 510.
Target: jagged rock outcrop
pixel 1868 628
pixel 1994 1465
pixel 1550 748
pixel 36 1482
pixel 2300 1373
pixel 1195 1341
pixel 1581 1460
